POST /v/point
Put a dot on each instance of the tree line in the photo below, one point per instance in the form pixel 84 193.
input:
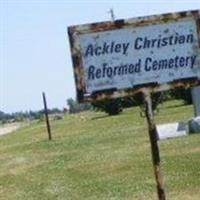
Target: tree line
pixel 112 106
pixel 27 115
pixel 115 106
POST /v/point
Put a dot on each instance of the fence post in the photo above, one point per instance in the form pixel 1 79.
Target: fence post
pixel 46 116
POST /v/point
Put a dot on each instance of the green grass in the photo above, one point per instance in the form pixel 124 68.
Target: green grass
pixel 93 156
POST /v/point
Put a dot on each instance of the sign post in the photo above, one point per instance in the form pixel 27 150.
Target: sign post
pixel 153 136
pixel 141 55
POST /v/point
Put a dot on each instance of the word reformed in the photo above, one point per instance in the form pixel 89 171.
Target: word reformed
pixel 139 43
pixel 149 64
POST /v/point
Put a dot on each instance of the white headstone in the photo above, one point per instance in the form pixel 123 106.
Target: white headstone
pixel 172 130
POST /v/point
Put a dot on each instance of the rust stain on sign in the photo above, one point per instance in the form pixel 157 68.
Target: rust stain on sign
pixel 124 57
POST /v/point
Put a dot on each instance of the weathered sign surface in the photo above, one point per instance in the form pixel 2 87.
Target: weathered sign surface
pixel 113 59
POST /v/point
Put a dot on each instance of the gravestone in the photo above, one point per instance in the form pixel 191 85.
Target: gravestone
pixel 194 125
pixel 196 100
pixel 166 131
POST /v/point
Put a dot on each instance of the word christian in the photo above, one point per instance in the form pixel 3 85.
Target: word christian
pixel 147 64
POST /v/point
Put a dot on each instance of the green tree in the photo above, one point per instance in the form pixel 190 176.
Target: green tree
pixel 75 107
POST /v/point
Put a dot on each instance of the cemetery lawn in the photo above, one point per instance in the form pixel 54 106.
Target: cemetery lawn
pixel 96 157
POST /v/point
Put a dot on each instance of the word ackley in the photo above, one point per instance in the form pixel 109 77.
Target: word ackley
pixel 106 48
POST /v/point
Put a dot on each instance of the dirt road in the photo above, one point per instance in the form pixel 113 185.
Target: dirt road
pixel 9 128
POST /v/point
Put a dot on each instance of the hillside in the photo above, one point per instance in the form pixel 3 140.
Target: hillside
pixel 96 157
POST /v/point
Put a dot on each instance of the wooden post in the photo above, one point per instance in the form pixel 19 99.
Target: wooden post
pixel 46 116
pixel 153 136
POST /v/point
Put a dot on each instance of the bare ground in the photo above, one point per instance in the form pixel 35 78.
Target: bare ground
pixel 9 128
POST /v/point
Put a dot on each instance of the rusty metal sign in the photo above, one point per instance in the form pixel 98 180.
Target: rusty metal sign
pixel 124 57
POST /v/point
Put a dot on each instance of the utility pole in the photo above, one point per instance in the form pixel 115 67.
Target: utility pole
pixel 112 15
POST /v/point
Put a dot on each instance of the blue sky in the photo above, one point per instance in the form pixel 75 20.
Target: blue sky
pixel 34 48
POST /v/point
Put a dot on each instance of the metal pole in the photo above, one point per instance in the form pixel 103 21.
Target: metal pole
pixel 46 116
pixel 153 136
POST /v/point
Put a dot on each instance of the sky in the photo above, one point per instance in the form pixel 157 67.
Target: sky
pixel 34 45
